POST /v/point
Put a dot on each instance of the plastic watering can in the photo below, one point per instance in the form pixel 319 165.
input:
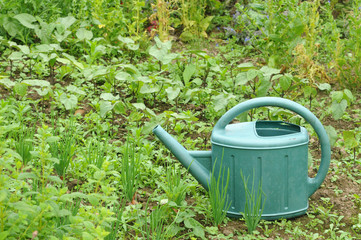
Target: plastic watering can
pixel 274 153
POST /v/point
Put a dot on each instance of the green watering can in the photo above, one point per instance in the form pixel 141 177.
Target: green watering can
pixel 274 153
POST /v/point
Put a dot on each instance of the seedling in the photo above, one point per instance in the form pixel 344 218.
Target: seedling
pixel 218 195
pixel 254 205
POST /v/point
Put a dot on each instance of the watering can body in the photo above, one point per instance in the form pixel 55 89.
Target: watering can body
pixel 271 153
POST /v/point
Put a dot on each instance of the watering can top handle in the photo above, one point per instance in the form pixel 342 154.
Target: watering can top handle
pixel 313 183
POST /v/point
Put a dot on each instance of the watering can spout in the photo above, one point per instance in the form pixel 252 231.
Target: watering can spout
pixel 198 163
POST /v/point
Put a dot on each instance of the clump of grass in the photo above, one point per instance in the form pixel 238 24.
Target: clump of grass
pixel 95 151
pixel 218 195
pixel 64 149
pixel 24 143
pixel 175 187
pixel 130 171
pixel 253 208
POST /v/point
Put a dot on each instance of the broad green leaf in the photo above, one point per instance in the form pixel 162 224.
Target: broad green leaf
pixel 338 109
pixel 84 34
pixel 26 20
pixel 93 199
pixel 74 61
pixel 350 139
pixel 309 91
pixel 244 67
pixel 140 106
pixel 263 88
pixel 86 235
pixel 337 96
pixel 191 223
pixel 38 83
pixel 220 102
pixel 15 56
pixel 252 74
pixel 4 235
pixel 126 40
pixel 108 97
pixel 74 89
pixel 24 207
pixel 21 89
pixel 24 49
pixel 123 76
pixel 119 107
pixel 3 195
pixel 242 78
pixel 69 101
pixel 268 72
pixel 7 83
pixel 332 134
pixel 197 81
pixel 349 95
pixel 324 86
pixel 105 107
pixel 66 22
pixel 172 92
pixel 189 70
pixel 11 26
pixel 285 82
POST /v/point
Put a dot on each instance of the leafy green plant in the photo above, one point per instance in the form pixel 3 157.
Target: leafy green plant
pixel 24 143
pixel 218 195
pixel 95 150
pixel 340 101
pixel 175 187
pixel 64 149
pixel 130 171
pixel 194 21
pixel 254 203
pixel 351 139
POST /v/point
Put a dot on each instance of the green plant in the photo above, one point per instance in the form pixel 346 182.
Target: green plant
pixel 175 187
pixel 162 18
pixel 130 171
pixel 95 150
pixel 255 200
pixel 64 148
pixel 218 195
pixel 24 143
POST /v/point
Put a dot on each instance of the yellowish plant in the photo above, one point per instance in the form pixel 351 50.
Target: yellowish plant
pixel 164 8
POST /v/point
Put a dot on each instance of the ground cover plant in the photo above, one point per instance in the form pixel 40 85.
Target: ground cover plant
pixel 83 83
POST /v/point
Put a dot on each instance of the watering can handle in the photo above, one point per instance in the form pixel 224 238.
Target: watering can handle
pixel 313 183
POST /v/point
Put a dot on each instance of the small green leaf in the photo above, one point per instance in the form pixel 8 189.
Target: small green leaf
pixel 4 235
pixel 324 86
pixel 105 106
pixel 7 83
pixel 93 199
pixel 69 101
pixel 108 97
pixel 39 83
pixel 350 139
pixel 140 106
pixel 252 74
pixel 189 70
pixel 285 82
pixel 263 88
pixel 309 91
pixel 172 92
pixel 338 109
pixel 332 134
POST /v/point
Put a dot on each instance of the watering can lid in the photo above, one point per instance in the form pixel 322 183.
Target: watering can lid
pixel 260 135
